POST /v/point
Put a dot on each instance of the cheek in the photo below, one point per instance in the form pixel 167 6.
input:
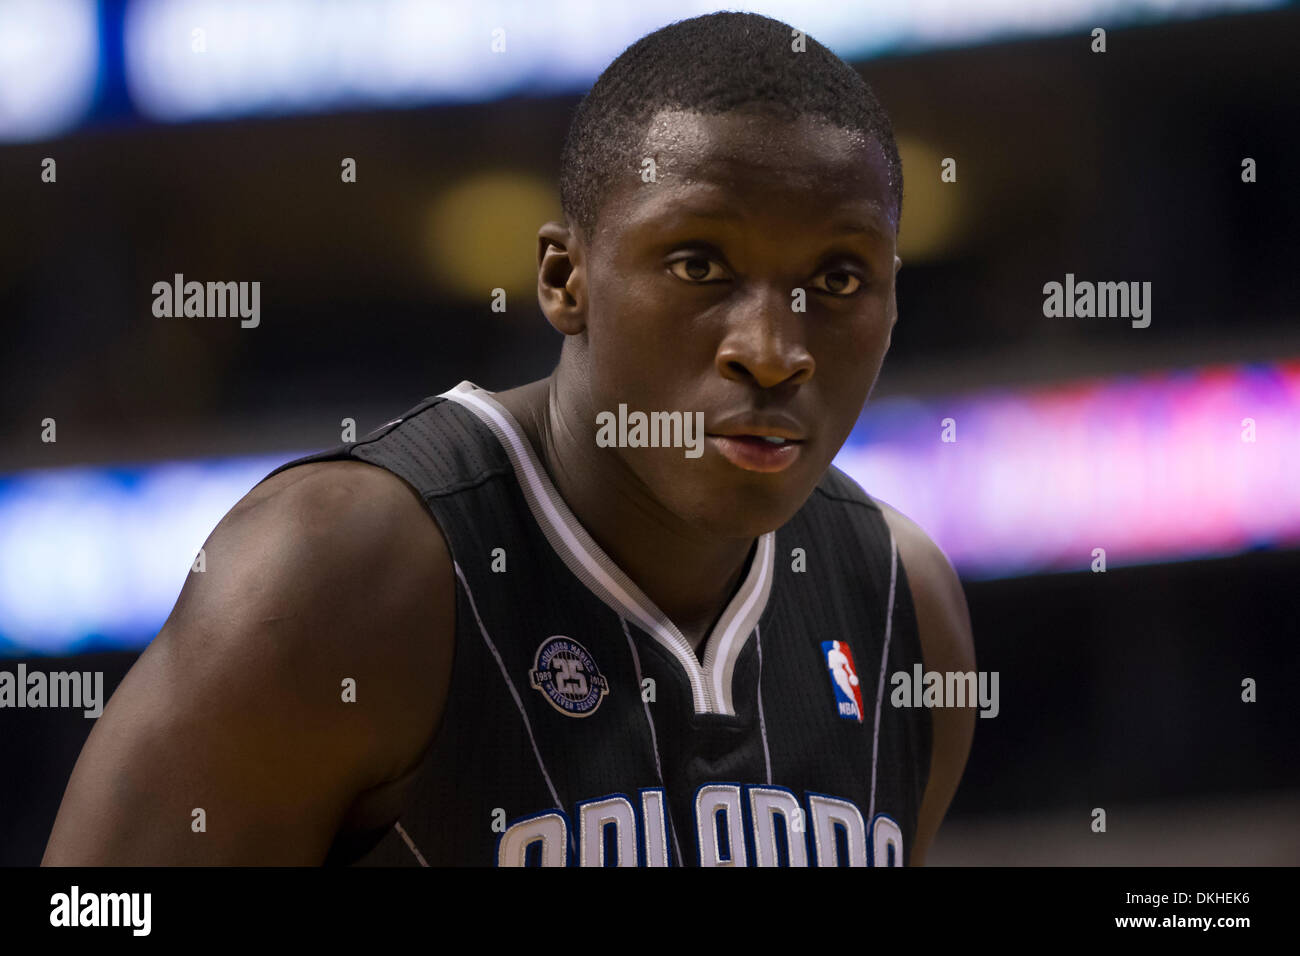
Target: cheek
pixel 638 338
pixel 849 359
pixel 852 350
pixel 622 314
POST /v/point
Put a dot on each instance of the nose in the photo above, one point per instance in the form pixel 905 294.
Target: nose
pixel 764 343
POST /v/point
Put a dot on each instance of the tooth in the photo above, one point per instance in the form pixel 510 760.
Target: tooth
pixel 774 439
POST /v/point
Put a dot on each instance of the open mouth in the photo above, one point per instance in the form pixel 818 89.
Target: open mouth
pixel 761 453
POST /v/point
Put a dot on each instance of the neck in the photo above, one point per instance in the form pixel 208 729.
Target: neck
pixel 690 576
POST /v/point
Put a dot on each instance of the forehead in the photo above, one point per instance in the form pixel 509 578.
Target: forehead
pixel 757 161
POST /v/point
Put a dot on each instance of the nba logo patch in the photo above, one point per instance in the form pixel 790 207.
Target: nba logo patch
pixel 566 675
pixel 844 679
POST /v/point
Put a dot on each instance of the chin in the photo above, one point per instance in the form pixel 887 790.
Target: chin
pixel 745 511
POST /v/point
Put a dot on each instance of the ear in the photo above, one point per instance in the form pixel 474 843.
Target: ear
pixel 561 278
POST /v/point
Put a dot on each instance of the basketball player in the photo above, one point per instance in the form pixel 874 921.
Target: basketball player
pixel 482 635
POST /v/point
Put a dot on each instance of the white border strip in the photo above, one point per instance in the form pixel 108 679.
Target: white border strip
pixel 711 693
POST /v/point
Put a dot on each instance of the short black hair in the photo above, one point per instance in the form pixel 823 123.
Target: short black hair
pixel 709 64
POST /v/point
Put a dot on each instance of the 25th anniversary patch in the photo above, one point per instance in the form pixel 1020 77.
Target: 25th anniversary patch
pixel 568 677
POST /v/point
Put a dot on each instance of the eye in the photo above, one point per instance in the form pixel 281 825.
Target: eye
pixel 839 282
pixel 696 269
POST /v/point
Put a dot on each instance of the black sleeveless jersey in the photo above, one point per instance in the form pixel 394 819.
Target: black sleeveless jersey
pixel 581 728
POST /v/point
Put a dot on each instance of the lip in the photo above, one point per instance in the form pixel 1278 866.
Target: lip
pixel 750 452
pixel 773 426
pixel 739 439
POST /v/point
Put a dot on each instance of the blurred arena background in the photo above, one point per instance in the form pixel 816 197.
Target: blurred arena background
pixel 217 154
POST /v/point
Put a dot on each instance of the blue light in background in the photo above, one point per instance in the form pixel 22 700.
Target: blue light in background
pixel 1152 467
pixel 289 56
pixel 94 558
pixel 49 66
pixel 181 60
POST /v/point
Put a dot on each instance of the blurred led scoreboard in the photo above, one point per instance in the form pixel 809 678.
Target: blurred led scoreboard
pixel 66 62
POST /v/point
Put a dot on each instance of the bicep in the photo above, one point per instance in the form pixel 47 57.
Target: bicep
pixel 209 751
pixel 195 764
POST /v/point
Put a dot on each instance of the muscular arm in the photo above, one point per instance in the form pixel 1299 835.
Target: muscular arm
pixel 326 571
pixel 943 623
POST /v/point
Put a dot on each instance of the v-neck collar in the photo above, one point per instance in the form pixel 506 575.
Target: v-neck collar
pixel 711 679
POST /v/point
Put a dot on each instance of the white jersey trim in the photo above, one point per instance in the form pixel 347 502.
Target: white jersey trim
pixel 710 682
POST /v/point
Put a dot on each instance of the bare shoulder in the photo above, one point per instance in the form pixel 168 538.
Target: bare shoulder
pixel 348 558
pixel 947 645
pixel 304 666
